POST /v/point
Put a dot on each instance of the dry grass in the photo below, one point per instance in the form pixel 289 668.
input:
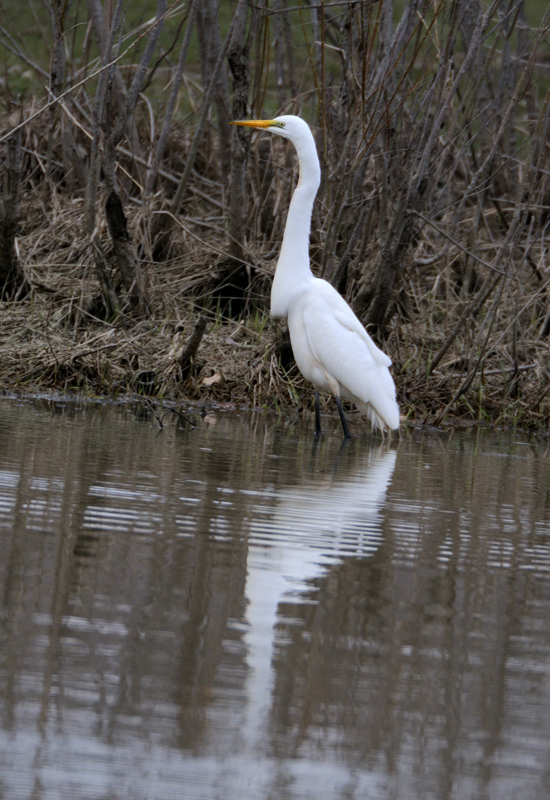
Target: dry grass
pixel 55 338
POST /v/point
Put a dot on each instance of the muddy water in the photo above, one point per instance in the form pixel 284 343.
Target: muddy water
pixel 238 612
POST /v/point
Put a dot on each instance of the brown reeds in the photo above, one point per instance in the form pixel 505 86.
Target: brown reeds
pixel 143 224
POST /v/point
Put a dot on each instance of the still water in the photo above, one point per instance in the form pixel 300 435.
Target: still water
pixel 238 612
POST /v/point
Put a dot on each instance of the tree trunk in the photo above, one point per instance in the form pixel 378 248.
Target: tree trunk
pixel 236 283
pixel 211 46
pixel 12 281
pixel 112 118
pixel 130 271
pixel 188 357
pixel 167 122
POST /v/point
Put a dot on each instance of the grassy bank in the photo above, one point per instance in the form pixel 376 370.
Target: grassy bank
pixel 139 232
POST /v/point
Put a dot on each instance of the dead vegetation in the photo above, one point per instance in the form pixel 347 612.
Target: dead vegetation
pixel 139 232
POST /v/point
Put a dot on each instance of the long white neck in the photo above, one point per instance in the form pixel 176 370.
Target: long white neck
pixel 293 269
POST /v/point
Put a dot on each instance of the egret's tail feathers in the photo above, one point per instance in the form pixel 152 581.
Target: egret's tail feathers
pixel 377 399
pixel 388 422
pixel 381 408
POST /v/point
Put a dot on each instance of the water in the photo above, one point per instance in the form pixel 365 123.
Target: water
pixel 238 612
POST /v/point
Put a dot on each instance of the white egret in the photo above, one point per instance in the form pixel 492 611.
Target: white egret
pixel 331 347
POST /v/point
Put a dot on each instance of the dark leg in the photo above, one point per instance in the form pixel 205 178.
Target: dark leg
pixel 317 414
pixel 347 434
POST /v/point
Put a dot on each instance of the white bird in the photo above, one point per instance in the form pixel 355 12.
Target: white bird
pixel 331 347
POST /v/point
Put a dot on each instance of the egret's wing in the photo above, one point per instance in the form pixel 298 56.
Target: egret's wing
pixel 346 356
pixel 348 319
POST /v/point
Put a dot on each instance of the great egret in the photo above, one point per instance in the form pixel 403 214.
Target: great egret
pixel 331 347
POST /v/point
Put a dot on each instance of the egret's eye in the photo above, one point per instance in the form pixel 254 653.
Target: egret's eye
pixel 280 124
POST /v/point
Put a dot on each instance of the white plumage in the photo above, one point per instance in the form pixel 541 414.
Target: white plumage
pixel 331 347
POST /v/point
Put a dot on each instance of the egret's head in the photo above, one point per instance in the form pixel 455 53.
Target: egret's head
pixel 289 126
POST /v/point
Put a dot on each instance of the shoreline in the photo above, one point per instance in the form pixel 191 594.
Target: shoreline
pixel 304 414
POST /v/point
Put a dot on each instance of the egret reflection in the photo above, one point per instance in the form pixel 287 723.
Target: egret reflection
pixel 310 528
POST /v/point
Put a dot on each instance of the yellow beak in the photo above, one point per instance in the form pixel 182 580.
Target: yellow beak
pixel 255 123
